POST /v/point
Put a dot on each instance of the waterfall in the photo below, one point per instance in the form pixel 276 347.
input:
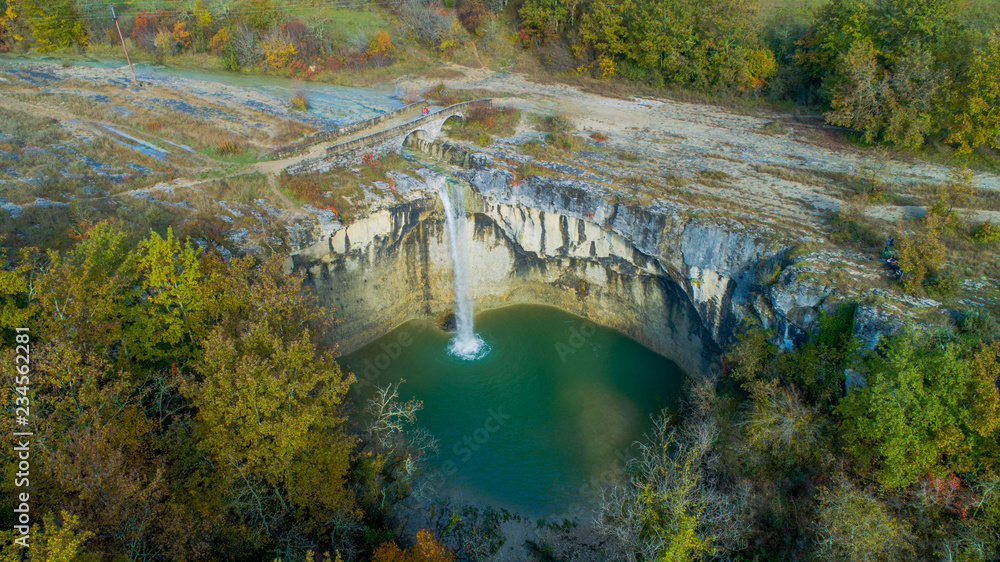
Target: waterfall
pixel 466 344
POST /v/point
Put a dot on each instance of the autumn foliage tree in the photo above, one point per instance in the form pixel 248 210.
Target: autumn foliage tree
pixel 179 396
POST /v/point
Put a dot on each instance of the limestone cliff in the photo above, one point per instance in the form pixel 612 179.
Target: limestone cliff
pixel 676 284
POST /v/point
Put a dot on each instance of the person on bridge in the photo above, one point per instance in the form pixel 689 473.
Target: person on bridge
pixel 426 110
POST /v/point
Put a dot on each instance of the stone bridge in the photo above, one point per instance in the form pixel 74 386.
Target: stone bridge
pixel 424 129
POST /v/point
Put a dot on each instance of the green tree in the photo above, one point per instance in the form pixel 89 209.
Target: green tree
pixel 924 410
pixel 543 19
pixel 883 66
pixel 657 515
pixel 17 291
pixel 173 310
pixel 54 24
pixel 896 106
pixel 713 45
pixel 975 101
pixel 602 29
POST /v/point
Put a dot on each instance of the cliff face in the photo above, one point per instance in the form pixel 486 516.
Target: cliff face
pixel 677 285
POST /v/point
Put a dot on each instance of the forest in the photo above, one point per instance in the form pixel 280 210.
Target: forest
pixel 189 407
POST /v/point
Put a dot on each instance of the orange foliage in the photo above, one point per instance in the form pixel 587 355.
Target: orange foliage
pixel 427 549
pixel 380 48
pixel 181 34
pixel 219 40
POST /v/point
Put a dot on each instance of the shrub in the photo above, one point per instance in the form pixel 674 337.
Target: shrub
pixel 278 52
pixel 986 232
pixel 380 49
pixel 299 102
pixel 923 253
pixel 781 423
pixel 227 148
pixel 219 41
pixel 599 136
pixel 565 141
pixel 855 526
pixel 166 44
pixel 979 325
pixel 553 124
pixel 482 123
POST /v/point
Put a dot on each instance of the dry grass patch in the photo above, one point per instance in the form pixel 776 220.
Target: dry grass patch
pixel 289 130
pixel 483 123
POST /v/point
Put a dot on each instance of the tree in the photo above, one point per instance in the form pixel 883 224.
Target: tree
pixel 54 24
pixel 882 66
pixel 267 398
pixel 175 309
pixel 840 25
pixel 9 25
pixel 924 410
pixel 602 29
pixel 542 19
pixel 780 422
pixel 17 291
pixel 854 526
pixel 657 514
pixel 380 49
pixel 52 542
pixel 975 102
pixel 427 549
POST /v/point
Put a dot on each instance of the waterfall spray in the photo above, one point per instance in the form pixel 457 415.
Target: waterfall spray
pixel 466 344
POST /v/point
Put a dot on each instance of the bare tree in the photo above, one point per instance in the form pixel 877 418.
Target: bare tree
pixel 247 44
pixel 668 509
pixel 390 417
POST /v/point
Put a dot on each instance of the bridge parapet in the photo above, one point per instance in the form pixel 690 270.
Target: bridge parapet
pixel 351 153
pixel 331 134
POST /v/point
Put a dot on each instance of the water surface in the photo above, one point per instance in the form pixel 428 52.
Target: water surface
pixel 537 424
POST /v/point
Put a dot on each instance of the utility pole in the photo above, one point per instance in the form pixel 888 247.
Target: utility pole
pixel 114 16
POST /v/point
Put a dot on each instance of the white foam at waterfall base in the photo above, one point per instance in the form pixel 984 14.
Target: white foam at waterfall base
pixel 466 344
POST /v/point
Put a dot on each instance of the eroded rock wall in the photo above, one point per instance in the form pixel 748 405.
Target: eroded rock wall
pixel 675 284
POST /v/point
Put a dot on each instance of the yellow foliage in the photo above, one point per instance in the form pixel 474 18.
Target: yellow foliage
pixel 380 44
pixel 201 14
pixel 427 549
pixel 60 543
pixel 8 23
pixel 762 66
pixel 219 40
pixel 918 254
pixel 278 53
pixel 606 66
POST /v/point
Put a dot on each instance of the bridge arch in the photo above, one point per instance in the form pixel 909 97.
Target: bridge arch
pixel 418 138
pixel 460 116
